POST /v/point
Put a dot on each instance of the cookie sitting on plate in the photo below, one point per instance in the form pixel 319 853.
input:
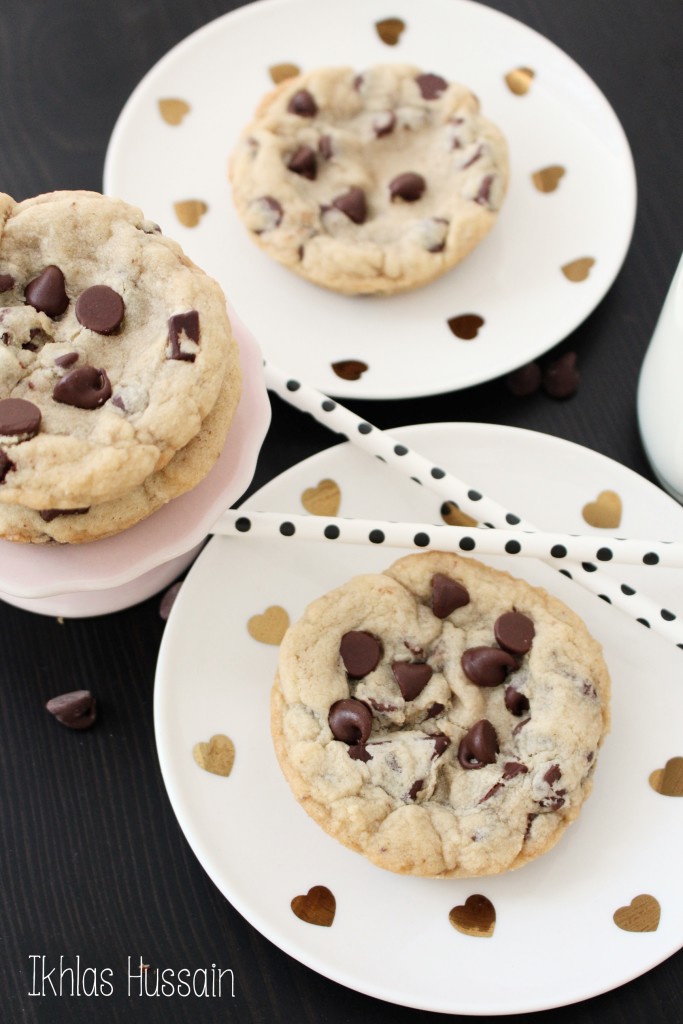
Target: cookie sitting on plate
pixel 369 183
pixel 119 375
pixel 442 718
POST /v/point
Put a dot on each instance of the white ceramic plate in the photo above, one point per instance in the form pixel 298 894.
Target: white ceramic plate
pixel 555 941
pixel 513 281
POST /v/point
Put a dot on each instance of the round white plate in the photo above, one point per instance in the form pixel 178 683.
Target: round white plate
pixel 555 940
pixel 513 281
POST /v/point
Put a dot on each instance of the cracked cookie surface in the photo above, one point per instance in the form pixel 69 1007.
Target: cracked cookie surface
pixel 442 718
pixel 369 183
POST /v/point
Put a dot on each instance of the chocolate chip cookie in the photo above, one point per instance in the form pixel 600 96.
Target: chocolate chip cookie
pixel 114 349
pixel 442 718
pixel 369 183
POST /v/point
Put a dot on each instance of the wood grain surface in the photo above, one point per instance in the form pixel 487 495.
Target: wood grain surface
pixel 92 860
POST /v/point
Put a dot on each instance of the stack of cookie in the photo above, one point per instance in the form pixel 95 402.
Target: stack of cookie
pixel 119 374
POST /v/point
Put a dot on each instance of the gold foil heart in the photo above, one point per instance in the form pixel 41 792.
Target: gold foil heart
pixel 173 110
pixel 578 270
pixel 217 756
pixel 466 326
pixel 270 627
pixel 477 917
pixel 190 211
pixel 641 915
pixel 389 30
pixel 281 72
pixel 323 499
pixel 604 512
pixel 318 906
pixel 454 516
pixel 548 178
pixel 519 81
pixel 668 780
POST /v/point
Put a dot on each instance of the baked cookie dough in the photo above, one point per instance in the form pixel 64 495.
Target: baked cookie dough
pixel 442 718
pixel 114 347
pixel 369 183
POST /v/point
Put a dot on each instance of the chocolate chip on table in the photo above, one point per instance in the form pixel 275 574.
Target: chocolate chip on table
pixel 47 292
pixel 514 632
pixel 447 595
pixel 179 325
pixel 525 380
pixel 360 652
pixel 353 204
pixel 6 465
pixel 517 703
pixel 408 186
pixel 19 418
pixel 100 309
pixel 84 388
pixel 431 86
pixel 479 746
pixel 303 104
pixel 303 162
pixel 77 709
pixel 412 677
pixel 350 721
pixel 560 377
pixel 487 666
pixel 6 282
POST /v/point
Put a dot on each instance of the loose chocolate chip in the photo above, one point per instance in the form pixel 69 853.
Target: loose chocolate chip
pixel 447 595
pixel 560 377
pixel 487 666
pixel 325 147
pixel 360 651
pixel 384 124
pixel 47 292
pixel 19 418
pixel 6 282
pixel 479 746
pixel 513 768
pixel 415 789
pixel 525 380
pixel 68 359
pixel 77 709
pixel 48 514
pixel 100 309
pixel 303 162
pixel 516 703
pixel 514 632
pixel 412 677
pixel 303 104
pixel 353 204
pixel 6 465
pixel 179 325
pixel 431 86
pixel 441 743
pixel 84 388
pixel 350 721
pixel 408 186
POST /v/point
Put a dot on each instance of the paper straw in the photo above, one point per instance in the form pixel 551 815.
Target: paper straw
pixel 448 487
pixel 550 547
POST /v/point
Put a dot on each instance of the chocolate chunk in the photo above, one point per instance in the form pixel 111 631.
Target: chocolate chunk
pixel 447 595
pixel 560 377
pixel 271 214
pixel 359 752
pixel 353 204
pixel 68 359
pixel 412 677
pixel 100 309
pixel 553 774
pixel 325 147
pixel 487 666
pixel 48 514
pixel 19 418
pixel 360 651
pixel 303 104
pixel 516 703
pixel 483 196
pixel 85 388
pixel 350 721
pixel 513 768
pixel 180 324
pixel 479 746
pixel 384 123
pixel 6 282
pixel 408 186
pixel 431 86
pixel 514 632
pixel 6 465
pixel 434 710
pixel 415 788
pixel 303 162
pixel 77 709
pixel 47 292
pixel 525 380
pixel 441 743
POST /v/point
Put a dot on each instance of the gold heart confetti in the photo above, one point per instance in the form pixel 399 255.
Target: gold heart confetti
pixel 668 780
pixel 350 369
pixel 519 81
pixel 466 326
pixel 270 627
pixel 642 915
pixel 281 72
pixel 454 516
pixel 578 270
pixel 323 499
pixel 389 30
pixel 477 917
pixel 604 512
pixel 173 110
pixel 217 756
pixel 548 178
pixel 190 211
pixel 318 906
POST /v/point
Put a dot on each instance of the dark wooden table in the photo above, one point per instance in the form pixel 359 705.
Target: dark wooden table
pixel 92 861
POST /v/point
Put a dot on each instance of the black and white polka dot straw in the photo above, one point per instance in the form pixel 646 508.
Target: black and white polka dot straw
pixel 475 503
